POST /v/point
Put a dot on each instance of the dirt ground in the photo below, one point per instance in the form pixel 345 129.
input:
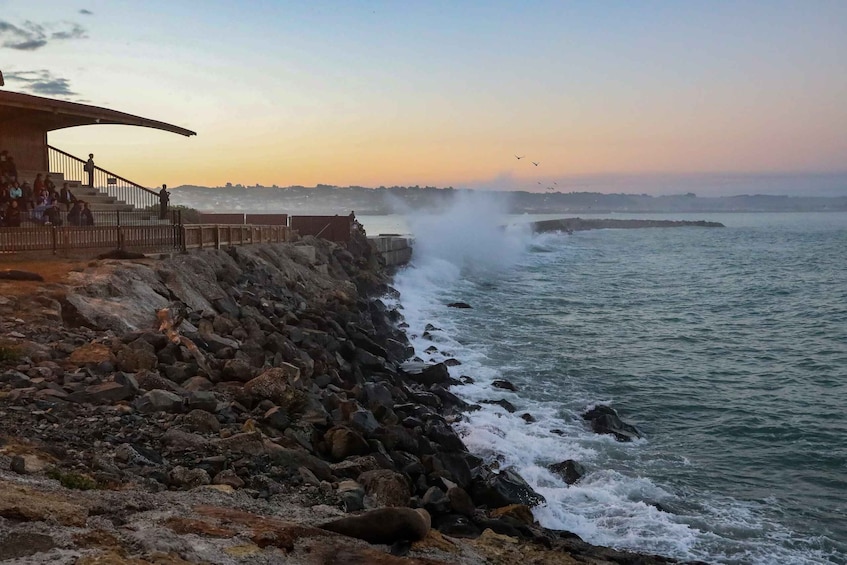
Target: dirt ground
pixel 53 271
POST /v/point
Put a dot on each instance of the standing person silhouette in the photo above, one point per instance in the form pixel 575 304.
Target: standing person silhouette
pixel 89 168
pixel 164 198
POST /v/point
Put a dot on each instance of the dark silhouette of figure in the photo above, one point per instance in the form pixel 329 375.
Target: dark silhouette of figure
pixel 86 218
pixel 13 215
pixel 66 197
pixel 74 214
pixel 89 168
pixel 164 198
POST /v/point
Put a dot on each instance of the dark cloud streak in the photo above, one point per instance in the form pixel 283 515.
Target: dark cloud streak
pixel 86 12
pixel 41 82
pixel 31 36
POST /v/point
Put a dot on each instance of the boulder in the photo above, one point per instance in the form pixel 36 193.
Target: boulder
pixel 343 442
pixel 502 489
pixel 605 420
pixel 569 470
pixel 427 375
pixel 385 487
pixel 158 400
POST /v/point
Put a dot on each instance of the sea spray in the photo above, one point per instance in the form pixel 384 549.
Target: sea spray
pixel 537 320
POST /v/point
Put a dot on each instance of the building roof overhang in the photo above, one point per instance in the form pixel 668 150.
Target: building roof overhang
pixel 53 114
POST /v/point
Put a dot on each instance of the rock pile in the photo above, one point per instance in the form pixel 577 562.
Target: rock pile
pixel 269 370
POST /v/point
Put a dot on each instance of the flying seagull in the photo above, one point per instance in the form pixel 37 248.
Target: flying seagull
pixel 535 163
pixel 519 158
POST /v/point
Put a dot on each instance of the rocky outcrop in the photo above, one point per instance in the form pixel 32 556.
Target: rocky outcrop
pixel 266 373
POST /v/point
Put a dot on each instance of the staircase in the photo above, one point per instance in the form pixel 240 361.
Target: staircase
pixel 97 200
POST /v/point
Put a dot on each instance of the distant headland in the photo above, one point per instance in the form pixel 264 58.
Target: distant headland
pixel 328 199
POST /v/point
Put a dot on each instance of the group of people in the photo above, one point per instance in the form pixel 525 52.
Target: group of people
pixel 39 202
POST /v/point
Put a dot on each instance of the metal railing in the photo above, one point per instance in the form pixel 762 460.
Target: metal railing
pixel 106 182
pixel 62 216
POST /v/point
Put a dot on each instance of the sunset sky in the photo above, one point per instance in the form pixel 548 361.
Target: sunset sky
pixel 442 92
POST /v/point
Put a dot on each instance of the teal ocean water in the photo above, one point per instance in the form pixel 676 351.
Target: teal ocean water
pixel 726 347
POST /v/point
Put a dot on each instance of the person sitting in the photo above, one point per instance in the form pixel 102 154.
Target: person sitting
pixel 27 196
pixel 5 197
pixel 38 184
pixel 52 215
pixel 85 216
pixel 49 184
pixel 66 197
pixel 8 168
pixel 15 192
pixel 13 215
pixel 74 214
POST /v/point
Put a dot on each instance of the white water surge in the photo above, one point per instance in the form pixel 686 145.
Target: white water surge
pixel 464 255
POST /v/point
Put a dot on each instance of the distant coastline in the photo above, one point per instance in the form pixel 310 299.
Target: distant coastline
pixel 326 199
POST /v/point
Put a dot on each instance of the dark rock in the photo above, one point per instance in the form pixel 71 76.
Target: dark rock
pixel 237 370
pixel 343 442
pixel 457 526
pixel 200 421
pixel 188 478
pixel 508 406
pixel 605 420
pixel 427 374
pixel 158 400
pixel 528 418
pixel 435 501
pixel 569 470
pixel 459 305
pixel 502 489
pixel 352 495
pixel 460 501
pixel 277 418
pixel 202 400
pixel 504 384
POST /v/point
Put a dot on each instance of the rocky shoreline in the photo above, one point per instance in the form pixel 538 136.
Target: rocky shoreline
pixel 253 405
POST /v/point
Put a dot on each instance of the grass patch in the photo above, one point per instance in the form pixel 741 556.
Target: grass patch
pixel 10 354
pixel 72 480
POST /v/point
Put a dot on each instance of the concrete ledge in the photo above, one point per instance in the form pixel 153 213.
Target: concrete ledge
pixel 396 250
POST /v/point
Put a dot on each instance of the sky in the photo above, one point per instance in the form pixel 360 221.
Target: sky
pixel 653 95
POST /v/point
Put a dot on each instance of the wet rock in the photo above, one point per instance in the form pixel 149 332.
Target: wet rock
pixel 138 355
pixel 228 477
pixel 528 418
pixel 504 384
pixel 605 420
pixel 508 406
pixel 519 512
pixel 502 489
pixel 427 374
pixel 457 526
pixel 237 370
pixel 459 305
pixel 569 470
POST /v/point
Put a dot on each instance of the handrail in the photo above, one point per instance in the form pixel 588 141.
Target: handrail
pixel 111 174
pixel 104 182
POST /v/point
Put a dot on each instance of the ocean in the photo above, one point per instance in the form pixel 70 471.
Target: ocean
pixel 726 347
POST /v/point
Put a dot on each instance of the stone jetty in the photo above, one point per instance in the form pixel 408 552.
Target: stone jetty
pixel 580 224
pixel 258 404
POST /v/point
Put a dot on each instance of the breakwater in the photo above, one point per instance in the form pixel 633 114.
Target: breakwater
pixel 580 224
pixel 261 394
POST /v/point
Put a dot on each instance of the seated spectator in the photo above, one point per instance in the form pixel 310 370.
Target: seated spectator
pixel 74 214
pixel 85 216
pixel 38 184
pixel 49 184
pixel 13 215
pixel 5 196
pixel 27 196
pixel 66 197
pixel 53 215
pixel 8 170
pixel 15 192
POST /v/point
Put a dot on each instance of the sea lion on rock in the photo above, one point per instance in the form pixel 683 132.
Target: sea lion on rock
pixel 384 525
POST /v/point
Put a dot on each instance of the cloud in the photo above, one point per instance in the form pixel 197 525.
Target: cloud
pixel 41 82
pixel 86 12
pixel 30 36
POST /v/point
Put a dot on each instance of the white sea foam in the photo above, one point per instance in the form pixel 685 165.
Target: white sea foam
pixel 609 506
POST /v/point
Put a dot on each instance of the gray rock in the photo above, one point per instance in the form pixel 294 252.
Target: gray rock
pixel 188 478
pixel 158 400
pixel 200 421
pixel 385 487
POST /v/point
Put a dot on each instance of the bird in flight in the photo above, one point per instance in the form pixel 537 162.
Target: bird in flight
pixel 535 163
pixel 550 188
pixel 519 158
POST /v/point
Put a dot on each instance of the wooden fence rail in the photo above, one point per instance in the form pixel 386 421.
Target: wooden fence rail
pixel 138 238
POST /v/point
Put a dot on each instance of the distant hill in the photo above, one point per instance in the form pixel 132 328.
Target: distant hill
pixel 325 199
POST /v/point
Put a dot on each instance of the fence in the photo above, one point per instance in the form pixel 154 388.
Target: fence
pixel 60 217
pixel 74 169
pixel 333 228
pixel 240 218
pixel 152 238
